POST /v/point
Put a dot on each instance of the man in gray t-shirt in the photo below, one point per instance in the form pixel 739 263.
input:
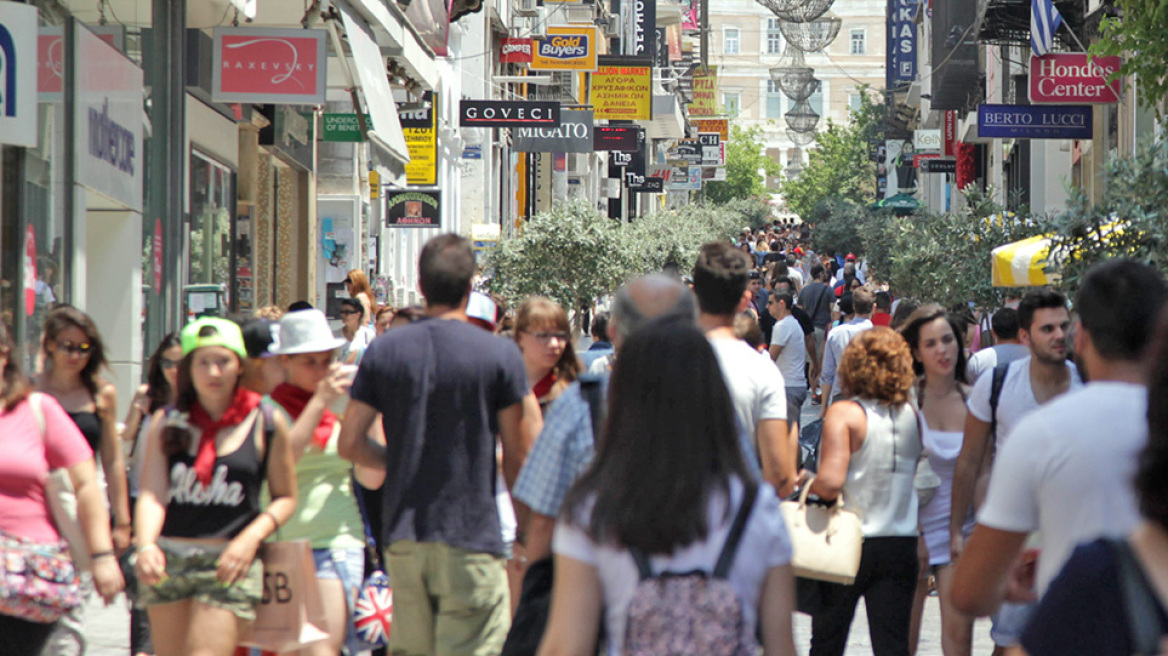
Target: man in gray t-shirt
pixel 1007 348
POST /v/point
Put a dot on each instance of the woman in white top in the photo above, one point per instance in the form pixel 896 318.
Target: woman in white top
pixel 938 357
pixel 667 480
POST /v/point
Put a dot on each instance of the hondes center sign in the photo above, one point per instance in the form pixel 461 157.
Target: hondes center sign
pixel 1074 78
pixel 574 135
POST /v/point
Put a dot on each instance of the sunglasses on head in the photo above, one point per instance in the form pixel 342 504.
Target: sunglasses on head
pixel 167 363
pixel 77 349
pixel 348 312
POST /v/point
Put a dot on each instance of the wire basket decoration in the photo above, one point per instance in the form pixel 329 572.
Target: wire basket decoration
pixel 796 83
pixel 801 139
pixel 801 118
pixel 811 36
pixel 797 11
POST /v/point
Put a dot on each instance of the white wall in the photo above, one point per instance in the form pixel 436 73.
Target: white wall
pixel 113 293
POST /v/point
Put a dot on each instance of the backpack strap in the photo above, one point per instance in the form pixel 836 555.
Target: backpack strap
pixel 726 558
pixel 38 411
pixel 996 384
pixel 1139 605
pixel 590 390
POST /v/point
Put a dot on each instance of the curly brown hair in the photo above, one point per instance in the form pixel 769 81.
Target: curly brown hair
pixel 877 365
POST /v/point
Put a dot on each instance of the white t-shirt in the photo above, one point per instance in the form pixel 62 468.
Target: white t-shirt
pixel 988 358
pixel 1016 401
pixel 755 384
pixel 1067 471
pixel 789 335
pixel 764 544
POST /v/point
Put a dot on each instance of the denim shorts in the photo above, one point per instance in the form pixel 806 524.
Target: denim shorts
pixel 348 566
pixel 1009 621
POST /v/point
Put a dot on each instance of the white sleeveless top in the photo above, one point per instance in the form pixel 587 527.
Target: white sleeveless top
pixel 880 475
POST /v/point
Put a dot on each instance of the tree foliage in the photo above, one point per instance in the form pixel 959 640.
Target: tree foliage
pixel 1137 34
pixel 744 157
pixel 838 168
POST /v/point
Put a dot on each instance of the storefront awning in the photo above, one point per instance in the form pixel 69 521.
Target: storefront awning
pixel 1026 263
pixel 385 137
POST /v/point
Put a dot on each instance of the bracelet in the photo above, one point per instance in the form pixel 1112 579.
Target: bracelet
pixel 273 518
pixel 143 547
pixel 101 554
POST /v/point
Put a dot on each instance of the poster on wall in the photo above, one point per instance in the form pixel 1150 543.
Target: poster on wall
pixel 899 167
pixel 420 128
pixel 413 209
pixel 337 245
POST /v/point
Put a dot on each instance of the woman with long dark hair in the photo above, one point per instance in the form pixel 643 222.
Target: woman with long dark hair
pixel 667 481
pixel 199 520
pixel 934 337
pixel 32 443
pixel 160 390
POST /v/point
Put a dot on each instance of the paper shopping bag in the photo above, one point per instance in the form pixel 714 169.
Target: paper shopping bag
pixel 291 614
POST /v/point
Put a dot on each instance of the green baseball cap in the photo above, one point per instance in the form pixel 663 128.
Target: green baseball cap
pixel 227 335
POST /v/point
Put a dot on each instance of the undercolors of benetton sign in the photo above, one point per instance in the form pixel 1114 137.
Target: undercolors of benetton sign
pixel 1034 121
pixel 507 114
pixel 1074 77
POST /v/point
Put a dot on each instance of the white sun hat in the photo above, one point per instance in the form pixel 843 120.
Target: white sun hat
pixel 306 331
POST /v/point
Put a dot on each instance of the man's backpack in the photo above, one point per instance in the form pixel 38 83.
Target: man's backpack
pixel 674 614
pixel 996 383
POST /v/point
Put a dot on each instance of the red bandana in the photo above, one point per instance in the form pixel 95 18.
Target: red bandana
pixel 544 385
pixel 241 406
pixel 294 399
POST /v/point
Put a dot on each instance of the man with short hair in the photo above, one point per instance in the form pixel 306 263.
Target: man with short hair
pixel 1007 347
pixel 1027 384
pixel 565 446
pixel 445 389
pixel 883 314
pixel 756 387
pixel 1067 469
pixel 816 298
pixel 600 345
pixel 788 349
pixel 838 340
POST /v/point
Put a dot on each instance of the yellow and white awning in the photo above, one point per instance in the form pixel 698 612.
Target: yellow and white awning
pixel 1022 263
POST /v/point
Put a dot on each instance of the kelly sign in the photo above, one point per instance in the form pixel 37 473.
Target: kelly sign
pixel 573 135
pixel 269 65
pixel 566 49
pixel 1034 122
pixel 515 51
pixel 508 113
pixel 1074 77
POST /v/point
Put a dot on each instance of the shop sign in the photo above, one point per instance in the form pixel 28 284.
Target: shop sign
pixel 927 139
pixel 507 113
pixel 919 159
pixel 901 66
pixel 343 128
pixel 413 209
pixel 30 272
pixel 156 253
pixel 947 165
pixel 949 134
pixel 617 138
pixel 621 159
pixel 718 125
pixel 687 150
pixel 269 65
pixel 644 27
pixel 622 90
pixel 51 57
pixel 18 99
pixel 515 51
pixel 1074 77
pixel 713 173
pixel 705 94
pixel 108 121
pixel 420 129
pixel 643 184
pixel 566 49
pixel 1034 121
pixel 573 135
pixel 687 179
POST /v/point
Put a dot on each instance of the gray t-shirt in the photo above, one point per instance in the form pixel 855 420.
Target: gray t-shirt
pixel 988 358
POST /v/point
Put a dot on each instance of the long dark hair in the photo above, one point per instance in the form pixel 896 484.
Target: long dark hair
pixel 176 439
pixel 911 331
pixel 157 387
pixel 65 317
pixel 15 385
pixel 1151 481
pixel 670 442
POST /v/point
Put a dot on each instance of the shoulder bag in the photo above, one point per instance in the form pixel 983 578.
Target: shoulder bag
pixel 825 540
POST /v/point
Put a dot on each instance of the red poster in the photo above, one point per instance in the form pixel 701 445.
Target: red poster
pixel 30 271
pixel 157 253
pixel 949 133
pixel 1074 77
pixel 269 65
pixel 515 51
pixel 923 156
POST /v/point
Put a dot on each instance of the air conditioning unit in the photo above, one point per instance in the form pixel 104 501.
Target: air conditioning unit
pixel 579 14
pixel 526 7
pixel 613 27
pixel 578 164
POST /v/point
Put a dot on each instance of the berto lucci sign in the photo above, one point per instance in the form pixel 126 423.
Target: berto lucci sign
pixel 269 65
pixel 1074 78
pixel 1034 122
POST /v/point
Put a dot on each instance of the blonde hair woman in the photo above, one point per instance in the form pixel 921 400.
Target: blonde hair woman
pixel 357 284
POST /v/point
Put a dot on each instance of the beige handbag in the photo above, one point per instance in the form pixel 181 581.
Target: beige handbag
pixel 825 541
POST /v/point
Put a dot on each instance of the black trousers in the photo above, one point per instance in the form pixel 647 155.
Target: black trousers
pixel 22 638
pixel 887 580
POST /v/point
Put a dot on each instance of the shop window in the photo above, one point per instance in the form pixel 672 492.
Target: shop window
pixel 212 212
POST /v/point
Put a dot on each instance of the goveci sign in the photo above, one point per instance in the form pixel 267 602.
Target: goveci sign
pixel 1074 78
pixel 507 113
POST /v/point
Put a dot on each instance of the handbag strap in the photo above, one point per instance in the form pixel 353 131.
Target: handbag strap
pixel 38 411
pixel 730 549
pixel 1139 604
pixel 370 542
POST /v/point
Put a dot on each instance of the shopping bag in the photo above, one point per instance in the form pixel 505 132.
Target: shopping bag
pixel 373 611
pixel 291 613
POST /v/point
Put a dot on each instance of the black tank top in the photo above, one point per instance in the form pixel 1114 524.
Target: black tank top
pixel 226 506
pixel 90 426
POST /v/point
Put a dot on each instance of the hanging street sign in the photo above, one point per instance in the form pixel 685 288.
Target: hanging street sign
pixel 1074 77
pixel 1034 121
pixel 507 113
pixel 269 65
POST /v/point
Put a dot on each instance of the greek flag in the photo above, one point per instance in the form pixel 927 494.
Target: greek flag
pixel 1044 22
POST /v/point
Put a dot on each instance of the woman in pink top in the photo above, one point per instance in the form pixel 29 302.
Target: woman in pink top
pixel 29 455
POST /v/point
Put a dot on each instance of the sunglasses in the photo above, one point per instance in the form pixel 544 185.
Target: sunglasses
pixel 348 312
pixel 547 337
pixel 75 349
pixel 167 363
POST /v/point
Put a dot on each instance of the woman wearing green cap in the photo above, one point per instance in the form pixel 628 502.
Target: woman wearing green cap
pixel 199 522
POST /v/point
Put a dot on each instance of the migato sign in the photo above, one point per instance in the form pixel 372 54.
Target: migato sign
pixel 1074 78
pixel 566 49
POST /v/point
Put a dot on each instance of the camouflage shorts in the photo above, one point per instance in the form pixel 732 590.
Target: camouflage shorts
pixel 190 574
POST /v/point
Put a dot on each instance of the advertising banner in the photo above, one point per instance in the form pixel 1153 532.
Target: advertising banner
pixel 573 135
pixel 566 49
pixel 719 125
pixel 901 68
pixel 515 51
pixel 420 128
pixel 705 94
pixel 18 101
pixel 617 138
pixel 1074 77
pixel 413 209
pixel 949 133
pixel 622 90
pixel 269 65
pixel 507 113
pixel 898 168
pixel 1034 121
pixel 642 184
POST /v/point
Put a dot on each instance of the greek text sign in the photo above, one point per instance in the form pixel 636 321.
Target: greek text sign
pixel 18 100
pixel 1034 121
pixel 718 125
pixel 269 65
pixel 573 135
pixel 566 49
pixel 1074 77
pixel 507 113
pixel 705 94
pixel 413 209
pixel 419 127
pixel 623 92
